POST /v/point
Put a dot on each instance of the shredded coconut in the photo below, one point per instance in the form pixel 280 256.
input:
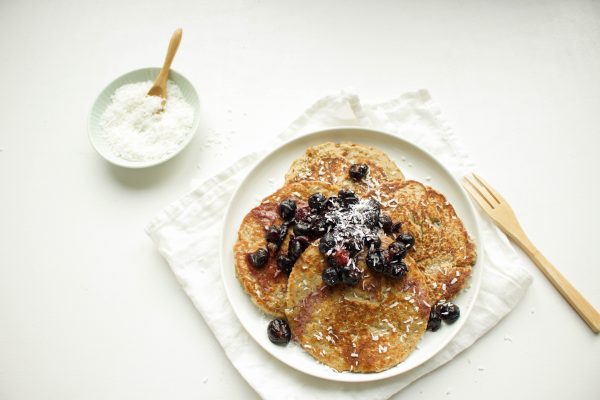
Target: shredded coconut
pixel 138 128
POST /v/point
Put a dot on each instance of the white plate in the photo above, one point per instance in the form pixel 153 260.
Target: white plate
pixel 267 176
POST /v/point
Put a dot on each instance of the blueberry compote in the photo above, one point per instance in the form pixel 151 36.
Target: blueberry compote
pixel 353 226
pixel 344 225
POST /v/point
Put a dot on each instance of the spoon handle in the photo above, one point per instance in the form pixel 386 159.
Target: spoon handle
pixel 162 77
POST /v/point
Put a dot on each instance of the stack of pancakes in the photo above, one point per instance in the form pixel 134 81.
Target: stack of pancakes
pixel 376 324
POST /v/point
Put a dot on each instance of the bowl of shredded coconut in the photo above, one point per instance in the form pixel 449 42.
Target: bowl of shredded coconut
pixel 131 129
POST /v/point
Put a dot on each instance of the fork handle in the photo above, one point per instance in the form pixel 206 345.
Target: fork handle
pixel 585 310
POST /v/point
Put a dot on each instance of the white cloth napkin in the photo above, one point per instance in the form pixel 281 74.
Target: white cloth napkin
pixel 184 234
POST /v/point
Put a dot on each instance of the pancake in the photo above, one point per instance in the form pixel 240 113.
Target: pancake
pixel 367 328
pixel 376 324
pixel 443 250
pixel 330 162
pixel 267 286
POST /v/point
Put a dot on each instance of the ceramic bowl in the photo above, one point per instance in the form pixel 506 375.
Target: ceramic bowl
pixel 104 98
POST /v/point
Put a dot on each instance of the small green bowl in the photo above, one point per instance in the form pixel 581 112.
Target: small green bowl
pixel 103 100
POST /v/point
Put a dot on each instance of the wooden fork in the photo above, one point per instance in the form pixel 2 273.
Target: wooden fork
pixel 502 214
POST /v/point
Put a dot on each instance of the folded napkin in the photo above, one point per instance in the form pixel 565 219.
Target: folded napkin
pixel 184 235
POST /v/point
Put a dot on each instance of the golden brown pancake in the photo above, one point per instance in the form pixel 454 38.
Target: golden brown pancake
pixel 367 328
pixel 443 250
pixel 330 162
pixel 267 286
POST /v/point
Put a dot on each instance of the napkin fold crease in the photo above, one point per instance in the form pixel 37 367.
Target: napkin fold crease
pixel 184 234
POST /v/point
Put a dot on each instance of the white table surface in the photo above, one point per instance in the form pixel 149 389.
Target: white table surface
pixel 89 310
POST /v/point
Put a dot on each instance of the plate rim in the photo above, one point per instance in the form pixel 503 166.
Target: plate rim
pixel 343 376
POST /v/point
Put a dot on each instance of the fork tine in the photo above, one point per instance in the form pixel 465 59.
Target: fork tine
pixel 479 197
pixel 489 189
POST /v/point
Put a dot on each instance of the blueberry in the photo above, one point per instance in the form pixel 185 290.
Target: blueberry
pixel 348 197
pixel 285 264
pixel 354 245
pixel 302 228
pixel 283 230
pixel 386 256
pixel 386 223
pixel 358 171
pixel 279 331
pixel 259 258
pixel 304 240
pixel 396 227
pixel 328 222
pixel 351 274
pixel 331 261
pixel 331 276
pixel 375 260
pixel 317 201
pixel 287 209
pixel 318 225
pixel 294 250
pixel 373 241
pixel 387 269
pixel 297 246
pixel 448 311
pixel 273 234
pixel 397 250
pixel 374 204
pixel 327 242
pixel 333 203
pixel 435 321
pixel 370 219
pixel 397 269
pixel 407 239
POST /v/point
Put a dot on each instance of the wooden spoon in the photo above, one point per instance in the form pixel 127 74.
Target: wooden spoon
pixel 159 88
